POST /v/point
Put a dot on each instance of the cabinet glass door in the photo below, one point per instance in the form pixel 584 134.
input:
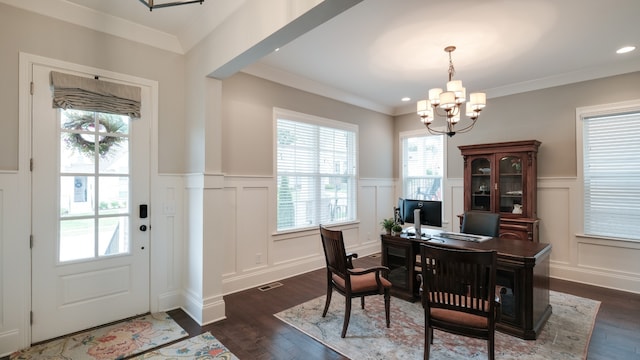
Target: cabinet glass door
pixel 510 183
pixel 481 186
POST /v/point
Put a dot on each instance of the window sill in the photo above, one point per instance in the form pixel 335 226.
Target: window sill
pixel 311 230
pixel 603 240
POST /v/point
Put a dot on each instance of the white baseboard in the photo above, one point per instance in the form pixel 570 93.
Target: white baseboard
pixel 595 278
pixel 11 341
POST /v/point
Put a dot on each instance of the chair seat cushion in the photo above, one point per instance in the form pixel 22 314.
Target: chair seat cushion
pixel 461 318
pixel 362 283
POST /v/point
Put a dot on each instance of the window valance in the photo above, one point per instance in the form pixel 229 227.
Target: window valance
pixel 81 93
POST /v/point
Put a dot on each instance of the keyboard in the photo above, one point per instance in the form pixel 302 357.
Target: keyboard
pixel 463 237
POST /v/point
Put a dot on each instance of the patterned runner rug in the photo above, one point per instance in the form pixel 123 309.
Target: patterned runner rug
pixel 111 342
pixel 202 347
pixel 565 336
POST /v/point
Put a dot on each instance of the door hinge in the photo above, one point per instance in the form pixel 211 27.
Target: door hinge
pixel 31 317
pixel 30 164
pixel 31 88
pixel 30 241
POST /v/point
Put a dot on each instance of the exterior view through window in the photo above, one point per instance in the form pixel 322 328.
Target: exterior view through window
pixel 316 171
pixel 94 185
pixel 422 167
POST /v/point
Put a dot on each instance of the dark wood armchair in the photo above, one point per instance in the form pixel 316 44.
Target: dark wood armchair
pixel 459 294
pixel 481 223
pixel 348 281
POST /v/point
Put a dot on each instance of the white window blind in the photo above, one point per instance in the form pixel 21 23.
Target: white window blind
pixel 611 168
pixel 422 167
pixel 316 172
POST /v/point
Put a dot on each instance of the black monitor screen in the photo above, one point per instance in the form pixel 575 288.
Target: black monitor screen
pixel 430 212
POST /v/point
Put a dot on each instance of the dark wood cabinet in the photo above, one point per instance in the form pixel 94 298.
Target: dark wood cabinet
pixel 399 256
pixel 502 178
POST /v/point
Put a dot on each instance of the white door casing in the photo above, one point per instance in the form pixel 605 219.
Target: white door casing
pixel 71 293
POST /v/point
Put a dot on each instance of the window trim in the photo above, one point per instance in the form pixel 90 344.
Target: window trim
pixel 320 121
pixel 581 114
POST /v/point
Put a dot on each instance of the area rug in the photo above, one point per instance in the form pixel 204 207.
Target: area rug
pixel 111 342
pixel 565 336
pixel 202 347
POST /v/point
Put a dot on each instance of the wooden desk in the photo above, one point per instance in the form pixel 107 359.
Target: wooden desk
pixel 523 269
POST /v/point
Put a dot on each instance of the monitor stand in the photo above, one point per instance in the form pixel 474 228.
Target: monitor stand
pixel 416 222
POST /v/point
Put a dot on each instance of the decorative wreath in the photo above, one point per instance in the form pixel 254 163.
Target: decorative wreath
pixel 84 143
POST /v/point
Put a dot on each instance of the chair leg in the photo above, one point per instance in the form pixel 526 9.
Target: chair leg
pixel 328 300
pixel 428 337
pixel 362 302
pixel 347 315
pixel 387 306
pixel 491 343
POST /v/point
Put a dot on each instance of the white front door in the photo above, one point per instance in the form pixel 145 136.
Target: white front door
pixel 90 255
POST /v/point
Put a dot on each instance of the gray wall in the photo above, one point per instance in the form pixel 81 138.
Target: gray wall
pixel 247 128
pixel 23 31
pixel 547 115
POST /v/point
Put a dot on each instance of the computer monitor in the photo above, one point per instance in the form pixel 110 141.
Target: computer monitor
pixel 430 212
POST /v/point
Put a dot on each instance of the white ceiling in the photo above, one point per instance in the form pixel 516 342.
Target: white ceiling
pixel 379 51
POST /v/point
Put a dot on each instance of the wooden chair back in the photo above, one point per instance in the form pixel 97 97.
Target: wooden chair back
pixel 334 252
pixel 459 293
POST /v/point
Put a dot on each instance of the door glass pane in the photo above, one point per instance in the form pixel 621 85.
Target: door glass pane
pixel 510 183
pixel 77 239
pixel 114 195
pixel 116 160
pixel 481 184
pixel 94 185
pixel 113 237
pixel 76 196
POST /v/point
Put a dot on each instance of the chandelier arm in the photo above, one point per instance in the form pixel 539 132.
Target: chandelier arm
pixel 468 127
pixel 438 111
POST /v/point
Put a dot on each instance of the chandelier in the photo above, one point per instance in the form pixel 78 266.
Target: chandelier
pixel 153 5
pixel 448 104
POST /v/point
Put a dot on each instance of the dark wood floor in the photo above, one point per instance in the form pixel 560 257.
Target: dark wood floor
pixel 252 332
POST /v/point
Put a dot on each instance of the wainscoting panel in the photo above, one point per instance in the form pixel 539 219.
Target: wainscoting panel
pixel 302 246
pixel 380 196
pixel 252 228
pixel 609 256
pixel 167 242
pixel 15 266
pixel 230 231
pixel 453 204
pixel 3 239
pixel 555 224
pixel 368 221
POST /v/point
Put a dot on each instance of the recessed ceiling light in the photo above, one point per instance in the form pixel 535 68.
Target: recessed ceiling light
pixel 625 49
pixel 405 99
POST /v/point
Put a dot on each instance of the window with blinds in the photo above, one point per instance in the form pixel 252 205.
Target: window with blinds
pixel 422 167
pixel 316 171
pixel 611 175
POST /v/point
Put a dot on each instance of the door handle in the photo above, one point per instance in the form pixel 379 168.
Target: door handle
pixel 143 227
